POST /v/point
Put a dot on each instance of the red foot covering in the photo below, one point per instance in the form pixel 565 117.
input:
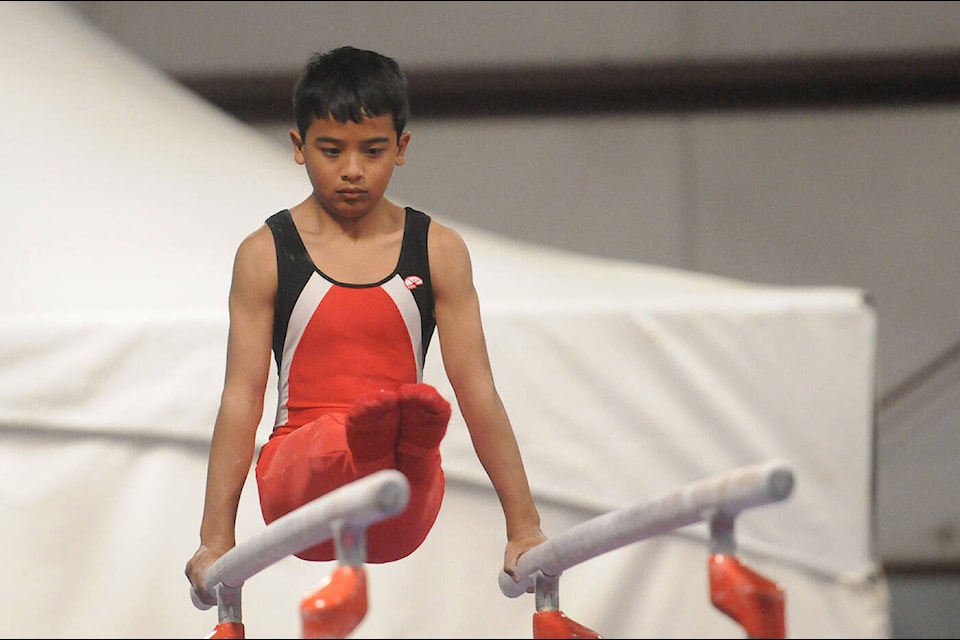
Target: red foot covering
pixel 227 630
pixel 338 606
pixel 755 603
pixel 390 429
pixel 555 624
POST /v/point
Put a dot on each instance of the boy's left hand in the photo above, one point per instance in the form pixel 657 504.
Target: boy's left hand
pixel 517 547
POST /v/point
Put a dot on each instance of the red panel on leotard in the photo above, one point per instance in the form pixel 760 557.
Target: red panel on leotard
pixel 355 343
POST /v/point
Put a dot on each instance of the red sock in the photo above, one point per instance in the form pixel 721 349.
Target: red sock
pixel 424 415
pixel 371 427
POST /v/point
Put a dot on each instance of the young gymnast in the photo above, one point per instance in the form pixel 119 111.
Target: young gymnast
pixel 345 290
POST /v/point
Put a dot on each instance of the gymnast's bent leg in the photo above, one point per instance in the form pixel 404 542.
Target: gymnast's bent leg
pixel 423 418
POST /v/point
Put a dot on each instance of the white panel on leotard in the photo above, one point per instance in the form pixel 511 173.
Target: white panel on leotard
pixel 407 305
pixel 313 292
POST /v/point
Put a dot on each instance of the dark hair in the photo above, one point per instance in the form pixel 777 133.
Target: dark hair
pixel 350 84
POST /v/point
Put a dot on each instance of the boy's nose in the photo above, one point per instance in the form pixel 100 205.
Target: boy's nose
pixel 352 167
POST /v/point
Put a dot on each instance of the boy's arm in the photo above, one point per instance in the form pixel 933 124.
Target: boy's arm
pixel 467 365
pixel 232 446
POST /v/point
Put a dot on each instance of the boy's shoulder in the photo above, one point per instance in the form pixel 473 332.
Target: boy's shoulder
pixel 258 244
pixel 445 239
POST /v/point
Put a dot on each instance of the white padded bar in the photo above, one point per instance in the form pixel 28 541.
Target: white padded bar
pixel 359 504
pixel 730 492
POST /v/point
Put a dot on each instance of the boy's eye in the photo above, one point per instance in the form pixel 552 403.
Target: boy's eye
pixel 330 151
pixel 375 151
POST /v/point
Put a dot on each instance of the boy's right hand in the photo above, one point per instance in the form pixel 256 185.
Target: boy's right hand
pixel 196 572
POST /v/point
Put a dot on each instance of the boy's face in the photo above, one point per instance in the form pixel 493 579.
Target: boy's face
pixel 350 164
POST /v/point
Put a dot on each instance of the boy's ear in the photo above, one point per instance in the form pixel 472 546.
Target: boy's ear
pixel 297 146
pixel 402 148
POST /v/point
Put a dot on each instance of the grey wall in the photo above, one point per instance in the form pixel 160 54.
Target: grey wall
pixel 863 197
pixel 217 36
